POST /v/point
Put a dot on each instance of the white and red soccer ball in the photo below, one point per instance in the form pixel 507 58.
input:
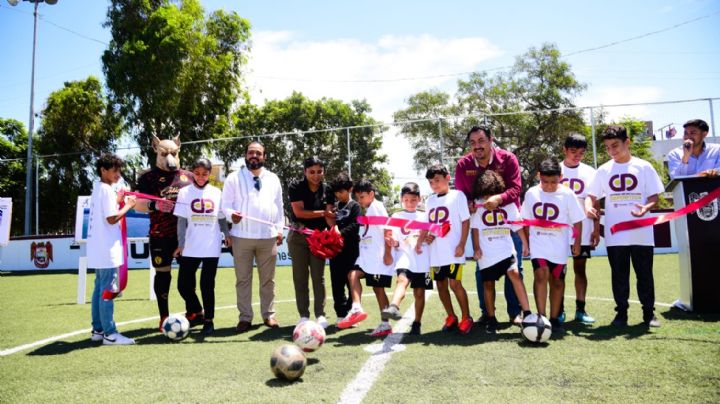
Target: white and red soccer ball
pixel 309 336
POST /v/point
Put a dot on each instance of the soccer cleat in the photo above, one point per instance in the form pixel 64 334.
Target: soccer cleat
pixel 391 312
pixel 451 323
pixel 651 322
pixel 561 319
pixel 382 330
pixel 620 320
pixel 465 325
pixel 352 318
pixel 194 318
pixel 117 339
pixel 491 325
pixel 415 328
pixel 583 317
pixel 162 320
pixel 208 328
pixel 96 336
pixel 322 321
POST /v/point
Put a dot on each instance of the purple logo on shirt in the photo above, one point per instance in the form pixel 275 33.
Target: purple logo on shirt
pixel 494 217
pixel 575 184
pixel 545 211
pixel 201 205
pixel 623 182
pixel 441 214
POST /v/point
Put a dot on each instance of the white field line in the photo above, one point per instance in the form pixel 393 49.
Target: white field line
pixel 23 347
pixel 356 390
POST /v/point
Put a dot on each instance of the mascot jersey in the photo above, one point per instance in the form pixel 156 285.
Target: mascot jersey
pixel 164 184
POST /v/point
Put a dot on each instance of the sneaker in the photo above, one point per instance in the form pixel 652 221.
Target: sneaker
pixel 491 325
pixel 583 317
pixel 194 318
pixel 322 321
pixel 117 339
pixel 561 319
pixel 620 320
pixel 652 322
pixel 391 312
pixel 382 330
pixel 451 323
pixel 96 336
pixel 162 320
pixel 208 328
pixel 352 318
pixel 465 325
pixel 415 328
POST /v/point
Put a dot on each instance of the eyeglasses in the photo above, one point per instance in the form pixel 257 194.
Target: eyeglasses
pixel 258 183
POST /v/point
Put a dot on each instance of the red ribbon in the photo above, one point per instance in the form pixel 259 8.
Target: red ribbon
pixel 547 224
pixel 439 229
pixel 651 221
pixel 123 270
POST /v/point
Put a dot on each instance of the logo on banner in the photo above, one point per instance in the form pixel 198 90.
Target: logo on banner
pixel 41 254
pixel 575 184
pixel 494 217
pixel 546 211
pixel 623 182
pixel 708 212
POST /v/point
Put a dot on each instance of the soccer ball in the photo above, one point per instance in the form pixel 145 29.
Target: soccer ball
pixel 309 336
pixel 288 362
pixel 176 327
pixel 536 328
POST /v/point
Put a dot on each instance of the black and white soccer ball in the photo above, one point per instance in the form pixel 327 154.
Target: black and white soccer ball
pixel 536 328
pixel 176 327
pixel 288 362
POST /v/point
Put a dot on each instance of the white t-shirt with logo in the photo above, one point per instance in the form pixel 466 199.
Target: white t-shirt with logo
pixel 494 232
pixel 104 243
pixel 450 207
pixel 372 244
pixel 560 206
pixel 578 179
pixel 405 255
pixel 623 185
pixel 201 208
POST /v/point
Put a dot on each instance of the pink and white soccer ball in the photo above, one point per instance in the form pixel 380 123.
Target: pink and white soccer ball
pixel 309 336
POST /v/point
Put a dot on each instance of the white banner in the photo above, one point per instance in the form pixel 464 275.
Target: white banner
pixel 5 220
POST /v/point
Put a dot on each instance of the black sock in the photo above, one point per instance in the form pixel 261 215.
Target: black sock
pixel 580 305
pixel 162 289
pixel 526 313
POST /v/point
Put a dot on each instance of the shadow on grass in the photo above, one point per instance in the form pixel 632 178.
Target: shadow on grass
pixel 677 314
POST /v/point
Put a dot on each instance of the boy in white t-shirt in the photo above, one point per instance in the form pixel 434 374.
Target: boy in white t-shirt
pixel 549 247
pixel 630 187
pixel 412 269
pixel 371 263
pixel 493 245
pixel 201 224
pixel 105 248
pixel 447 254
pixel 577 176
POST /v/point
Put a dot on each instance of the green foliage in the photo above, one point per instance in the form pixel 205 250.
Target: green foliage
pixel 539 80
pixel 13 145
pixel 76 120
pixel 171 70
pixel 298 113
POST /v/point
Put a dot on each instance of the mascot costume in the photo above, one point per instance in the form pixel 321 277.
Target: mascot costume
pixel 163 181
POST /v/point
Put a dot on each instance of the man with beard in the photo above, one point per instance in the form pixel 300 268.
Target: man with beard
pixel 255 192
pixel 484 156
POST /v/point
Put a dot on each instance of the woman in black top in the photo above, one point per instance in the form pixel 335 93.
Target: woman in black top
pixel 312 207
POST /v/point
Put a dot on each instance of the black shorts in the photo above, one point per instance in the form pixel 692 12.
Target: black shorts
pixel 375 281
pixel 584 252
pixel 452 271
pixel 556 270
pixel 496 271
pixel 161 250
pixel 418 280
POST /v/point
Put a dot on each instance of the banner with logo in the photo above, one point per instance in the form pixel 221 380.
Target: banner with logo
pixel 5 220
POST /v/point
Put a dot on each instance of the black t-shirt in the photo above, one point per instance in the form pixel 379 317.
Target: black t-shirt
pixel 300 191
pixel 164 184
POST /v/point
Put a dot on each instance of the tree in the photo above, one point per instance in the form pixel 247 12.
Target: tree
pixel 530 109
pixel 13 148
pixel 77 125
pixel 286 150
pixel 171 70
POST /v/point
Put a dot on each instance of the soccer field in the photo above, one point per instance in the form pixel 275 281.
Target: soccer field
pixel 679 362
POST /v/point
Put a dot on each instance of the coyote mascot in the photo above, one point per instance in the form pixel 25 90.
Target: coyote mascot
pixel 164 180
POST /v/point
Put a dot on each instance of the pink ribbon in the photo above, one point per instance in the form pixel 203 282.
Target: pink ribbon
pixel 439 229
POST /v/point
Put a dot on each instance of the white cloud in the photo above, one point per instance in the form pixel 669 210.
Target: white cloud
pixel 344 68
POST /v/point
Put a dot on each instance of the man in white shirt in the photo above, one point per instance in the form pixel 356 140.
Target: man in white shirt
pixel 256 193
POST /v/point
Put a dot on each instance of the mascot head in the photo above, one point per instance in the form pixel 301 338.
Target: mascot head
pixel 167 152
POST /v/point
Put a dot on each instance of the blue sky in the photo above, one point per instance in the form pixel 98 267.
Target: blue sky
pixel 323 48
